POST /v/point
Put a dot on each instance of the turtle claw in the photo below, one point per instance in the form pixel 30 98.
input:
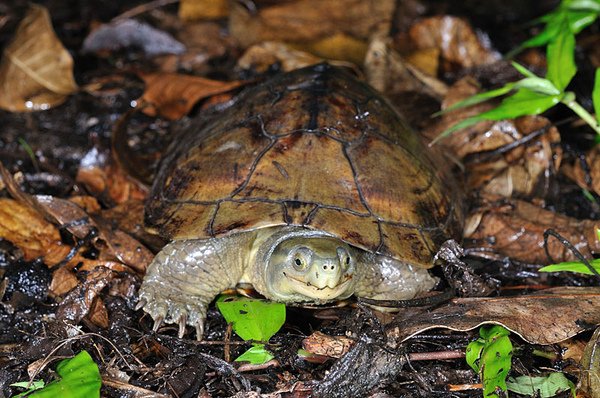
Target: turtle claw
pixel 199 330
pixel 140 304
pixel 182 323
pixel 158 321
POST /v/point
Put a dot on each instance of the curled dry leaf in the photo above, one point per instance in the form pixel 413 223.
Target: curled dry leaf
pixel 458 44
pixel 80 300
pixel 31 233
pixel 514 158
pixel 260 57
pixel 107 181
pixel 586 172
pixel 549 317
pixel 589 382
pixel 173 95
pixel 346 23
pixel 36 71
pixel 390 74
pixel 500 227
pixel 126 33
pixel 331 346
pixel 112 243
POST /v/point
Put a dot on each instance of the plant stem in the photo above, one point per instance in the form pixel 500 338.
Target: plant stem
pixel 569 100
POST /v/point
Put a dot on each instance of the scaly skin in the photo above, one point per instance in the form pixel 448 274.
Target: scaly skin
pixel 286 264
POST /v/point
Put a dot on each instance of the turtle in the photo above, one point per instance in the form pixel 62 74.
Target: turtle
pixel 311 187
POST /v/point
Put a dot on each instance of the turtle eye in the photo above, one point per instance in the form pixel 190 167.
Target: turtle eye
pixel 344 257
pixel 299 263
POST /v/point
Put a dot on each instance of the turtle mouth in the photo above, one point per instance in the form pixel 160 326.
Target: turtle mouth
pixel 321 293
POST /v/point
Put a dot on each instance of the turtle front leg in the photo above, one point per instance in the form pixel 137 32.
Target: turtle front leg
pixel 384 278
pixel 185 276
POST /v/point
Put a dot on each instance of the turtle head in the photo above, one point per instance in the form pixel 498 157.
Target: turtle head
pixel 311 268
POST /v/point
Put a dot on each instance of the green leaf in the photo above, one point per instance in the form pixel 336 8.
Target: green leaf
pixel 478 98
pixel 491 356
pixel 256 355
pixel 523 102
pixel 539 386
pixel 252 319
pixel 522 70
pixel 80 378
pixel 578 19
pixel 596 94
pixel 29 386
pixel 584 5
pixel 572 266
pixel 473 354
pixel 538 85
pixel 560 56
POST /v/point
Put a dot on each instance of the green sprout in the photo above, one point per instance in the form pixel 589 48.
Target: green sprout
pixel 253 319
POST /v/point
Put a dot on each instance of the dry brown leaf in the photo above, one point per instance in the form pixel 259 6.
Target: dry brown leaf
pixel 589 382
pixel 27 230
pixel 339 46
pixel 500 227
pixel 79 301
pixel 112 243
pixel 98 314
pixel 306 21
pixel 107 181
pixel 549 317
pixel 191 10
pixel 458 142
pixel 514 158
pixel 63 281
pixel 262 56
pixel 36 71
pixel 588 176
pixel 458 44
pixel 389 73
pixel 173 95
pixel 331 346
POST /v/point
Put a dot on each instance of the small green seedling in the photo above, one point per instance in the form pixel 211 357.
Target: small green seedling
pixel 533 94
pixel 79 378
pixel 541 386
pixel 253 319
pixel 491 356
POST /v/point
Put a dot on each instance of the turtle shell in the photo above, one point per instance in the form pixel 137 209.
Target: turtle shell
pixel 314 147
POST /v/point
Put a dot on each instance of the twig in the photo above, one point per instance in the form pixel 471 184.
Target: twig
pixel 142 8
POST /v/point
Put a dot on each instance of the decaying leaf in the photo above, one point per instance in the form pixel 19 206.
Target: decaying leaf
pixel 126 33
pixel 501 227
pixel 339 46
pixel 589 381
pixel 36 71
pixel 260 57
pixel 27 230
pixel 80 300
pixel 586 172
pixel 191 10
pixel 459 45
pixel 319 343
pixel 549 317
pixel 514 158
pixel 106 180
pixel 390 74
pixel 310 21
pixel 173 95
